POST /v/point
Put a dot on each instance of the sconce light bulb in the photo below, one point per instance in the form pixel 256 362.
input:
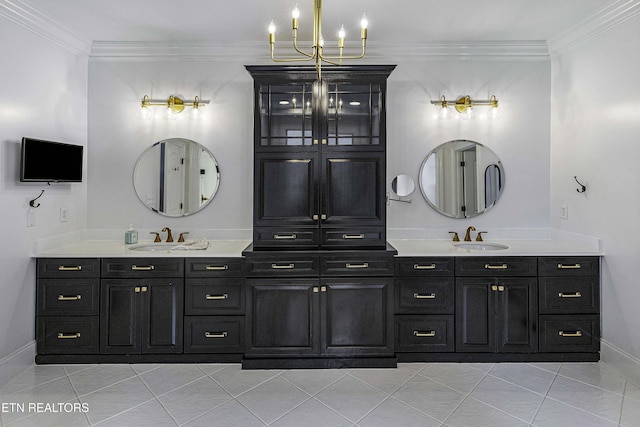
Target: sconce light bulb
pixel 295 13
pixel 341 33
pixel 272 28
pixel 196 114
pixel 443 113
pixel 145 113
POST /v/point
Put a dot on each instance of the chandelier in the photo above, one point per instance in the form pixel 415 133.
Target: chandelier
pixel 316 54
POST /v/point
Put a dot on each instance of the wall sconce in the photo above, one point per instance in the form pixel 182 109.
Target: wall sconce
pixel 465 106
pixel 174 105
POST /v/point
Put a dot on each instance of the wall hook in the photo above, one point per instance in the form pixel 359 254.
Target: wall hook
pixel 32 203
pixel 583 187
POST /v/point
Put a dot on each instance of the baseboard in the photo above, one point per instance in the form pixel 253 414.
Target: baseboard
pixel 620 361
pixel 16 362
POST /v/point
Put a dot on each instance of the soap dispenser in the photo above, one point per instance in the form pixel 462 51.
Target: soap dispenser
pixel 131 235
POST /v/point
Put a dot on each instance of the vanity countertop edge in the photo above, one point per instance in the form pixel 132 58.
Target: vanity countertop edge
pixel 404 247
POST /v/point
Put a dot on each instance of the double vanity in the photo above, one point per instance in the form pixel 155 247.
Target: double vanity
pixel 320 284
pixel 417 300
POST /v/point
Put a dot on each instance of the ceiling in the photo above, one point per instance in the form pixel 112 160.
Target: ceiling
pixel 245 21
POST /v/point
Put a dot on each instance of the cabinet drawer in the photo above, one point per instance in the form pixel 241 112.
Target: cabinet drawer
pixel 434 333
pixel 283 238
pixel 420 266
pixel 569 266
pixel 142 267
pixel 214 296
pixel 68 335
pixel 214 267
pixel 361 265
pixel 496 266
pixel 68 267
pixel 214 334
pixel 285 265
pixel 421 295
pixel 579 333
pixel 369 237
pixel 68 297
pixel 559 295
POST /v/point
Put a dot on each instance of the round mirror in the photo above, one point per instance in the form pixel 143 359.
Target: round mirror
pixel 461 179
pixel 176 177
pixel 403 185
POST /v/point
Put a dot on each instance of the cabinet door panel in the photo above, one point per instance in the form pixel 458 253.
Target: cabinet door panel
pixel 475 318
pixel 357 316
pixel 163 309
pixel 353 189
pixel 282 318
pixel 119 332
pixel 286 188
pixel 518 316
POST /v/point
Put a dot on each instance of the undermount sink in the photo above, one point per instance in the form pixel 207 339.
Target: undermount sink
pixel 153 247
pixel 479 246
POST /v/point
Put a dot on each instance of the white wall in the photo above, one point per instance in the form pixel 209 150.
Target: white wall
pixel 595 134
pixel 118 136
pixel 520 137
pixel 44 95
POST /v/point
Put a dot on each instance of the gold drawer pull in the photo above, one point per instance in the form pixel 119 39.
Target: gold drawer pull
pixel 216 267
pixel 70 268
pixel 353 236
pixel 63 336
pixel 496 267
pixel 69 297
pixel 283 267
pixel 285 236
pixel 215 334
pixel 363 265
pixel 424 334
pixel 223 296
pixel 424 267
pixel 573 295
pixel 421 296
pixel 142 267
pixel 570 334
pixel 568 267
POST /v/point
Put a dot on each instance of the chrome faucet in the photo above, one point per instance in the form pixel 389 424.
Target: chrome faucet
pixel 467 236
pixel 170 237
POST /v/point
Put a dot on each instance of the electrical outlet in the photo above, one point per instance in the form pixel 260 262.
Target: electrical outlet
pixel 64 214
pixel 564 212
pixel 31 218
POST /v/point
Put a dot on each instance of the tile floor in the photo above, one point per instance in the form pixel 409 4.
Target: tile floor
pixel 414 394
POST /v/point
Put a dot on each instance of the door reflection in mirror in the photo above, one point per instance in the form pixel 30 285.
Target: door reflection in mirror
pixel 176 177
pixel 461 179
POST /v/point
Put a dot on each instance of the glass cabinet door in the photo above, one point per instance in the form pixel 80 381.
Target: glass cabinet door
pixel 286 114
pixel 353 114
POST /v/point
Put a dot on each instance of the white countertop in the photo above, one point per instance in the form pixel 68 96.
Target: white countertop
pixel 112 248
pixel 543 247
pixel 405 247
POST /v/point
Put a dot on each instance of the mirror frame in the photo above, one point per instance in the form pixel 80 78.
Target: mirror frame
pixel 139 162
pixel 500 179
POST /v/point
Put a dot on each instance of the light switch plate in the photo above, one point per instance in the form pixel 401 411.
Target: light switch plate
pixel 564 212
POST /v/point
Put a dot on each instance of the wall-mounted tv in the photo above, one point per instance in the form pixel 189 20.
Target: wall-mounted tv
pixel 50 161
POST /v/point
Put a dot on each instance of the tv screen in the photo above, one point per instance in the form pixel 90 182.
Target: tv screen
pixel 49 161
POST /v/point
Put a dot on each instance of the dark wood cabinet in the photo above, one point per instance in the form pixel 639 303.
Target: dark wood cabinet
pixel 67 305
pixel 320 160
pixel 569 304
pixel 496 315
pixel 141 316
pixel 334 304
pixel 142 305
pixel 424 305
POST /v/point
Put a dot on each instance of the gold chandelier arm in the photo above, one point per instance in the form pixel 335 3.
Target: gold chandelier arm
pixel 295 46
pixel 341 57
pixel 274 59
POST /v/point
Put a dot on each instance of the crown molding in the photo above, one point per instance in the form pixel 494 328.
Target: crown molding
pixel 258 51
pixel 596 24
pixel 33 20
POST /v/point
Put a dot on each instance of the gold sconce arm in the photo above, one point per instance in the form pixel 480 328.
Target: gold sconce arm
pixel 174 104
